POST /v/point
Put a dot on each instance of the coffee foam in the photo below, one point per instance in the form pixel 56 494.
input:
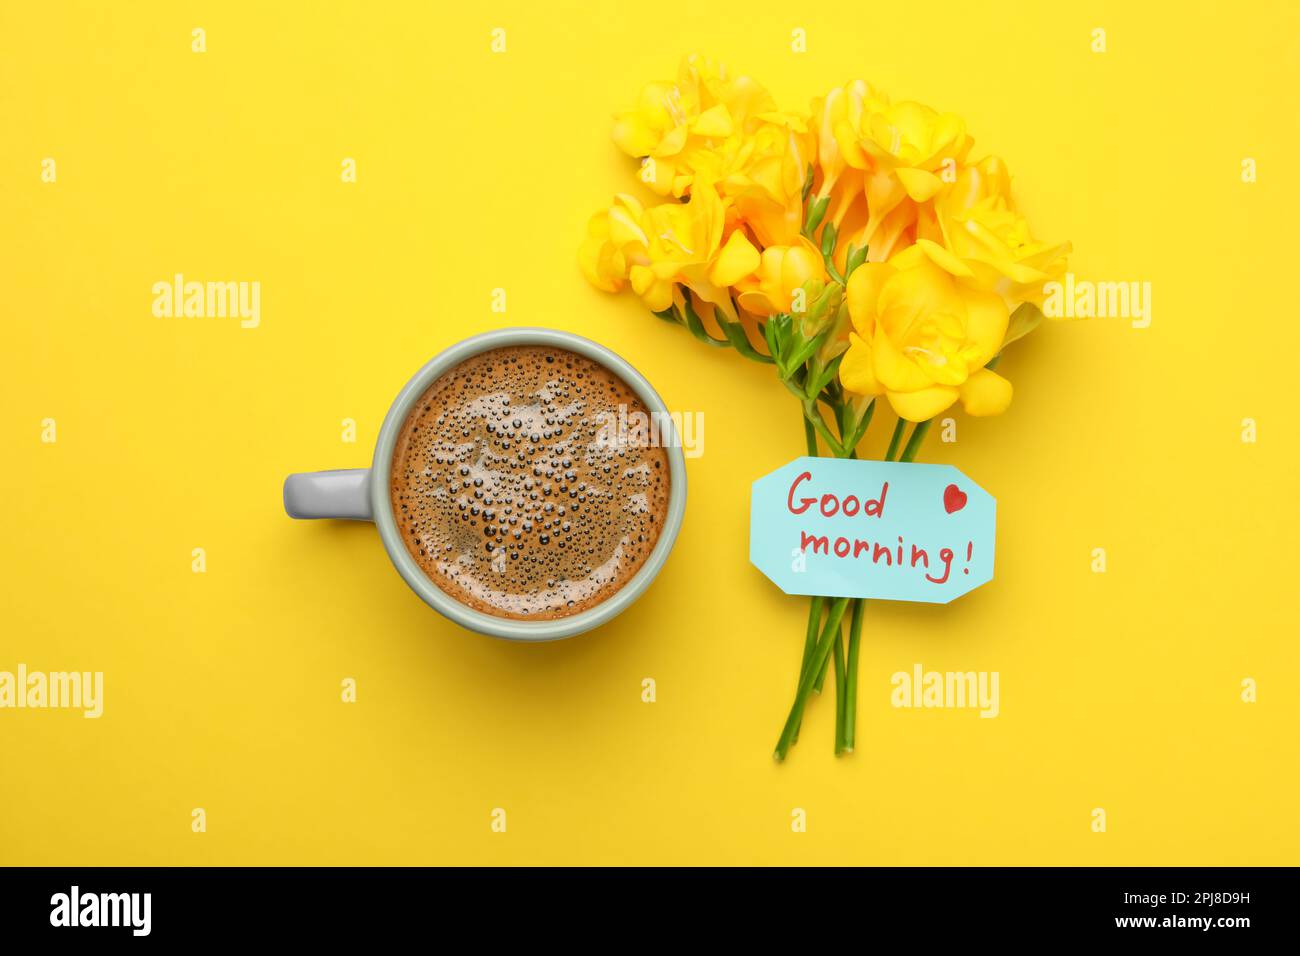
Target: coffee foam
pixel 513 491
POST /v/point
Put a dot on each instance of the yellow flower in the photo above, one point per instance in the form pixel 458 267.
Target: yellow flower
pixel 922 339
pixel 705 105
pixel 844 104
pixel 841 105
pixel 762 170
pixel 781 271
pixel 904 151
pixel 975 232
pixel 908 139
pixel 613 236
pixel 672 244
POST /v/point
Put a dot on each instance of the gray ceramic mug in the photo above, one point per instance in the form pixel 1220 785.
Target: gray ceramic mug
pixel 362 493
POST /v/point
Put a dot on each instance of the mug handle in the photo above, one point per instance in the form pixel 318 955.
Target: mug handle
pixel 329 494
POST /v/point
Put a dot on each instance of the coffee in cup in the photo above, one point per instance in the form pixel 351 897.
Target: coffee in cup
pixel 516 490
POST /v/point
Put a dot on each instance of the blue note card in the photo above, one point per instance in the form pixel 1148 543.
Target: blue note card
pixel 872 529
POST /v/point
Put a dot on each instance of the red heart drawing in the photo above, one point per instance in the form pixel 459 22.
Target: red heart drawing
pixel 954 499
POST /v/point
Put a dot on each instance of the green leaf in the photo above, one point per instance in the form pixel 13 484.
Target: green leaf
pixel 777 332
pixel 861 418
pixel 768 329
pixel 783 324
pixel 828 240
pixel 735 333
pixel 806 350
pixel 816 213
pixel 820 376
pixel 697 327
pixel 856 258
pixel 1023 321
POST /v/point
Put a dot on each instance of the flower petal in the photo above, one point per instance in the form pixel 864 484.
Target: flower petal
pixel 986 393
pixel 919 184
pixel 895 370
pixel 655 290
pixel 714 122
pixel 601 264
pixel 986 324
pixel 633 135
pixel 924 403
pixel 918 288
pixel 737 259
pixel 624 228
pixel 856 372
pixel 862 293
pixel 756 302
pixel 944 259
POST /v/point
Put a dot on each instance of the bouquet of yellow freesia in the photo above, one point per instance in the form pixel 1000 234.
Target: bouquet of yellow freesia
pixel 855 247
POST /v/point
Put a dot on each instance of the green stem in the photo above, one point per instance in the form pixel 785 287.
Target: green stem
pixel 818 652
pixel 820 655
pixel 816 605
pixel 850 717
pixel 851 442
pixel 841 690
pixel 914 443
pixel 814 417
pixel 815 608
pixel 845 414
pixel 841 412
pixel 897 437
pixel 821 676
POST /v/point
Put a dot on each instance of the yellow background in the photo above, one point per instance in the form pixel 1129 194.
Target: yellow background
pixel 478 171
